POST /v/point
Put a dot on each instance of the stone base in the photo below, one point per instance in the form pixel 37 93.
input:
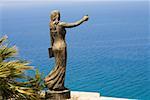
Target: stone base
pixel 78 95
pixel 57 95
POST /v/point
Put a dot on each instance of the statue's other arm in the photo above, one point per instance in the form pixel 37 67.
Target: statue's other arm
pixel 77 23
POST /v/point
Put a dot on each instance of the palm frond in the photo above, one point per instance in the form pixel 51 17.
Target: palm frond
pixel 13 70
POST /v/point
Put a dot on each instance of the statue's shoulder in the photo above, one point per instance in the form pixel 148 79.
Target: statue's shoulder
pixel 61 23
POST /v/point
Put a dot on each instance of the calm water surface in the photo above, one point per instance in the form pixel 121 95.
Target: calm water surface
pixel 108 54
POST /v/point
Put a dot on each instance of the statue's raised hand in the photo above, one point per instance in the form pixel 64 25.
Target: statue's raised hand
pixel 85 18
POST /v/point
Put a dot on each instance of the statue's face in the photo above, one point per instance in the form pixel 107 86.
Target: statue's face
pixel 58 16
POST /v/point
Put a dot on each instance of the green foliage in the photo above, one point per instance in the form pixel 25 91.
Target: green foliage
pixel 12 70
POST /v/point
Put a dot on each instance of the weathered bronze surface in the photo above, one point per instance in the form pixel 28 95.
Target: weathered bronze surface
pixel 55 80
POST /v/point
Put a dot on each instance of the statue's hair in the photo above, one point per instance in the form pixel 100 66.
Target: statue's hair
pixel 54 14
pixel 55 17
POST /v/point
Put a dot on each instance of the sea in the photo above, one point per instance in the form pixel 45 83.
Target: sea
pixel 109 54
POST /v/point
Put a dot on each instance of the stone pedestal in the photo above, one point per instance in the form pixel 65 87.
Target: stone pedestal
pixel 57 95
pixel 78 95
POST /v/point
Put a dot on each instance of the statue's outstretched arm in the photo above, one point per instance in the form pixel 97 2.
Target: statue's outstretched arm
pixel 77 23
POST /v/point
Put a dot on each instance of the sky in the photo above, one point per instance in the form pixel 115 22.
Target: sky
pixel 62 0
pixel 16 3
pixel 13 2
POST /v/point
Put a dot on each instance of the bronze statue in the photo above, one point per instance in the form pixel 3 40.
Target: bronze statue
pixel 55 79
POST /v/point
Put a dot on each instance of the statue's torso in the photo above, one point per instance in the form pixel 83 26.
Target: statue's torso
pixel 58 35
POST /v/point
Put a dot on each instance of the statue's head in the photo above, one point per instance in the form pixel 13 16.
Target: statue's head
pixel 55 15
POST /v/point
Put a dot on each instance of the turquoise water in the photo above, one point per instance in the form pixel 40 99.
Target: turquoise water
pixel 108 54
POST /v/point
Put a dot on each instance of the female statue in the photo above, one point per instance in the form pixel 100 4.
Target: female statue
pixel 55 79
